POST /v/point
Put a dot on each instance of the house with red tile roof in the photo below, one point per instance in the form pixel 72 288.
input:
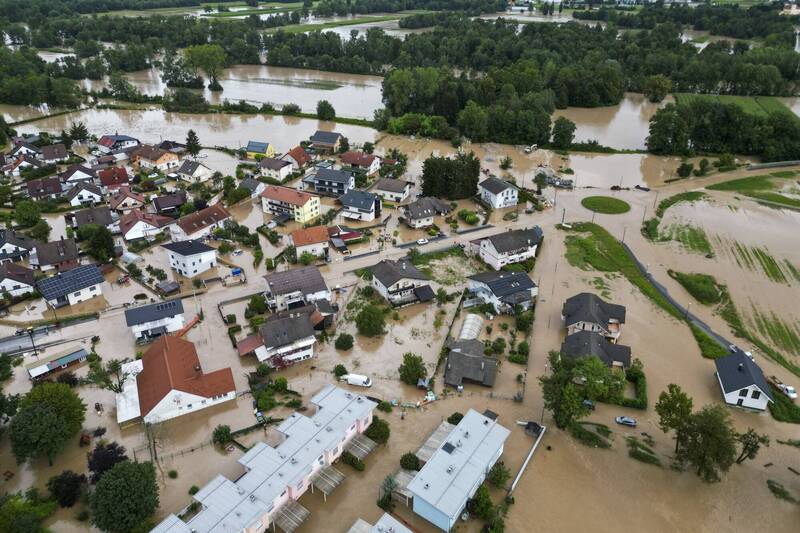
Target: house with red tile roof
pixel 168 382
pixel 125 201
pixel 112 178
pixel 137 225
pixel 368 163
pixel 200 224
pixel 298 157
pixel 312 240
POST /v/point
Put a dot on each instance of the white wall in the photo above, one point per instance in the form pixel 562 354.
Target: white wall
pixel 172 323
pixel 748 401
pixel 496 260
pixel 177 403
pixel 14 288
pixel 142 230
pixel 84 294
pixel 355 214
pixel 318 249
pixel 506 198
pixel 297 351
pixel 192 265
pixel 85 197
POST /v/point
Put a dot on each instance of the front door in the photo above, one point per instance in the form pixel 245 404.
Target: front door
pixel 740 402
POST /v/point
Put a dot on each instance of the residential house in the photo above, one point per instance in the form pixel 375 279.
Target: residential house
pixel 326 141
pixel 112 179
pixel 369 164
pixel 498 193
pixel 385 524
pixel 312 240
pixel 200 224
pixel 16 280
pixel 393 190
pixel 589 312
pixel 101 215
pixel 257 149
pixel 457 468
pixel 341 236
pixel 421 212
pixel 71 287
pixel 113 143
pixel 77 174
pixel 149 322
pixel 175 147
pixel 194 172
pixel 294 288
pixel 61 255
pixel 169 204
pixel 152 158
pixel 277 169
pixel 742 382
pixel 466 362
pixel 168 382
pixel 126 201
pixel 503 290
pixel 360 205
pixel 508 247
pixel 45 188
pixel 46 366
pixel 25 149
pixel 138 225
pixel 190 258
pixel 54 153
pixel 84 193
pixel 584 344
pixel 329 181
pixel 290 204
pixel 15 167
pixel 400 283
pixel 14 246
pixel 277 476
pixel 253 185
pixel 298 157
pixel 281 341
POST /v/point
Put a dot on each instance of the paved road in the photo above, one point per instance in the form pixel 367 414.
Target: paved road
pixel 22 343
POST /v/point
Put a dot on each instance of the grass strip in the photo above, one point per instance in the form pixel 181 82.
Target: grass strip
pixel 790 442
pixel 650 227
pixel 641 452
pixel 588 437
pixel 780 492
pixel 702 287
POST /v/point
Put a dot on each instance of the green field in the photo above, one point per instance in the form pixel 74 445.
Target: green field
pixel 605 205
pixel 302 28
pixel 755 105
pixel 763 188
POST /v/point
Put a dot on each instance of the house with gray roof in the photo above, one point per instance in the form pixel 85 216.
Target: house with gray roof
pixel 589 312
pixel 498 193
pixel 190 258
pixel 54 153
pixel 295 288
pixel 400 283
pixel 74 286
pixel 283 340
pixel 170 204
pixel 421 212
pixel 16 280
pixel 466 362
pixel 326 141
pixel 329 181
pixel 503 290
pixel 584 344
pixel 360 205
pixel 277 169
pixel 61 255
pixel 149 322
pixel 14 246
pixel 253 185
pixel 393 190
pixel 99 215
pixel 84 193
pixel 193 171
pixel 742 382
pixel 508 247
pixel 456 469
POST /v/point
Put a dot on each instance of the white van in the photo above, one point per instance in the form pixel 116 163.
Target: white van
pixel 357 380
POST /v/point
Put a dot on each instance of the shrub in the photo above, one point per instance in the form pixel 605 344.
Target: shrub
pixel 385 406
pixel 193 490
pixel 350 459
pixel 344 342
pixel 280 384
pixel 498 475
pixel 378 431
pixel 173 474
pixel 455 418
pixel 230 319
pixel 221 435
pixel 294 403
pixel 263 370
pixel 413 369
pixel 339 371
pixel 518 358
pixel 370 321
pixel 481 504
pixel 409 461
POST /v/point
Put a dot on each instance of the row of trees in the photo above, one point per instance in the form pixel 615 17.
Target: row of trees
pixel 452 178
pixel 329 8
pixel 709 126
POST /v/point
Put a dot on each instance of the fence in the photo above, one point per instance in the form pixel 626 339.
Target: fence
pixel 776 164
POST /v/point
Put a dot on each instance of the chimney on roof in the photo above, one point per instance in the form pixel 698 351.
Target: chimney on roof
pixel 741 367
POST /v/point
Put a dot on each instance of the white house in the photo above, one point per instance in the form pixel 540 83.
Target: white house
pixel 277 476
pixel 420 213
pixel 742 382
pixel 400 283
pixel 199 224
pixel 457 468
pixel 278 169
pixel 360 205
pixel 113 143
pixel 194 172
pixel 149 322
pixel 77 174
pixel 190 258
pixel 168 382
pixel 14 246
pixel 368 163
pixel 281 341
pixel 137 225
pixel 512 246
pixel 71 287
pixel 16 280
pixel 25 149
pixel 84 193
pixel 589 312
pixel 503 290
pixel 392 190
pixel 298 157
pixel 295 287
pixel 312 240
pixel 498 193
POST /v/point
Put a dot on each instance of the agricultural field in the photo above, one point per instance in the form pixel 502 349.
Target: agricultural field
pixel 756 105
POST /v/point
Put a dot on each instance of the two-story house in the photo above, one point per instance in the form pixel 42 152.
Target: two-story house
pixel 194 172
pixel 190 258
pixel 329 181
pixel 369 164
pixel 589 312
pixel 289 204
pixel 505 291
pixel 312 240
pixel 84 193
pixel 54 154
pixel 360 205
pixel 295 287
pixel 125 201
pixel 400 283
pixel 508 247
pixel 498 193
pixel 326 141
pixel 200 224
pixel 112 179
pixel 14 246
pixel 113 143
pixel 61 255
pixel 256 150
pixel 421 212
pixel 277 169
pixel 138 225
pixel 281 341
pixel 45 188
pixel 16 280
pixel 298 157
pixel 151 158
pixel 742 382
pixel 393 190
pixel 149 322
pixel 72 287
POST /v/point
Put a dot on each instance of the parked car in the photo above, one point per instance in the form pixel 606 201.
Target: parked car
pixel 787 390
pixel 625 421
pixel 237 252
pixel 589 403
pixel 422 241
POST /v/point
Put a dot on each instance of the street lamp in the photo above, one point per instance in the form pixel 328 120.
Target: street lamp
pixel 33 344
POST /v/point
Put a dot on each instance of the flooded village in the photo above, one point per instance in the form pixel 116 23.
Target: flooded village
pixel 284 322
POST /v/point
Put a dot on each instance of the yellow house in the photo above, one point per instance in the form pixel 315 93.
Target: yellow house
pixel 257 150
pixel 299 206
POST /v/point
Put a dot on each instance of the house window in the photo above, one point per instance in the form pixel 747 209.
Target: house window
pixel 76 293
pixel 756 395
pixel 743 393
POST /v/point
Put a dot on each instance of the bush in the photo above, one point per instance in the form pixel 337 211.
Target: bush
pixel 413 369
pixel 409 461
pixel 702 287
pixel 378 431
pixel 263 370
pixel 173 474
pixel 66 487
pixel 194 489
pixel 635 374
pixel 385 406
pixel 350 459
pixel 499 346
pixel 344 342
pixel 280 384
pixel 498 475
pixel 294 403
pixel 370 321
pixel 519 358
pixel 339 371
pixel 481 504
pixel 222 435
pixel 587 437
pixel 455 418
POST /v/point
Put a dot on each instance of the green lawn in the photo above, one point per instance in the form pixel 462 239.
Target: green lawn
pixel 702 287
pixel 762 188
pixel 605 205
pixel 755 105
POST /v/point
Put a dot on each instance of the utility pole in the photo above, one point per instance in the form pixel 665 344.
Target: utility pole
pixel 563 214
pixel 624 231
pixel 33 344
pixel 656 200
pixel 644 214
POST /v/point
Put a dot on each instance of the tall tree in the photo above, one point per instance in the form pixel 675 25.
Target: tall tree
pixel 561 395
pixel 125 497
pixel 710 443
pixel 413 369
pixel 78 131
pixel 66 487
pixel 111 376
pixel 103 458
pixel 192 143
pixel 24 513
pixel 656 87
pixel 27 213
pixel 210 58
pixel 325 110
pixel 674 408
pixel 563 133
pixel 751 443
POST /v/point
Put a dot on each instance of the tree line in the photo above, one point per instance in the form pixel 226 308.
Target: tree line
pixel 31 11
pixel 329 8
